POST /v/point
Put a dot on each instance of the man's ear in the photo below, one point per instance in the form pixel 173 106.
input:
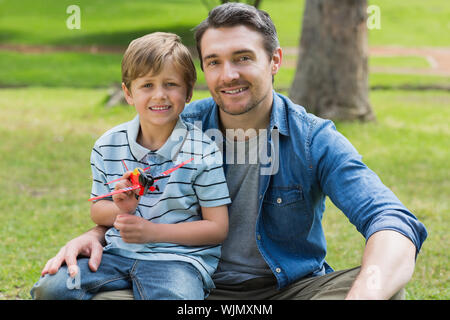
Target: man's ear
pixel 277 58
pixel 127 95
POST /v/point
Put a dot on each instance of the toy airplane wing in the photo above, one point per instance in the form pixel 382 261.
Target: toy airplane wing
pixel 116 192
pixel 165 173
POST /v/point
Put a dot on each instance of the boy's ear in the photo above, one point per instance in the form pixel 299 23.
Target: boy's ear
pixel 127 94
pixel 189 97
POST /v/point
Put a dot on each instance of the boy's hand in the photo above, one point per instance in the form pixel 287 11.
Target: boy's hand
pixel 134 229
pixel 127 202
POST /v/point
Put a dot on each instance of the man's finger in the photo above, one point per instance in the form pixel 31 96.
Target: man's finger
pixel 71 260
pixel 47 267
pixel 56 261
pixel 96 257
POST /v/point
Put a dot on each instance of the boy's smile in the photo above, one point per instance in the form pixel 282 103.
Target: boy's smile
pixel 160 108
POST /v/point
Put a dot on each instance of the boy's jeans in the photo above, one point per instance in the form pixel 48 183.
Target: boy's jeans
pixel 171 280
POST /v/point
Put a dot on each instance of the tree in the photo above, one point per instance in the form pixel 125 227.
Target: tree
pixel 331 78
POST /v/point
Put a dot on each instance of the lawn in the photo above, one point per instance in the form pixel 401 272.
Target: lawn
pixel 51 111
pixel 45 177
pixel 403 23
pixel 86 70
pixel 413 23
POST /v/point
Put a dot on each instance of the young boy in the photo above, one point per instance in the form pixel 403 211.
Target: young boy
pixel 164 244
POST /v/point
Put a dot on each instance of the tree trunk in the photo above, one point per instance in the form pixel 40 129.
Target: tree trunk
pixel 331 79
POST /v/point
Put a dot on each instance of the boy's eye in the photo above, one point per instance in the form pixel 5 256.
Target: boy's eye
pixel 172 84
pixel 147 85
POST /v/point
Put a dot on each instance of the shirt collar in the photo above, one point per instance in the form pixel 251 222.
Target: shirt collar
pixel 278 115
pixel 169 150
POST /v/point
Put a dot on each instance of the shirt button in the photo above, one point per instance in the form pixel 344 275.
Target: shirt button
pixel 279 200
pixel 278 270
pixel 258 237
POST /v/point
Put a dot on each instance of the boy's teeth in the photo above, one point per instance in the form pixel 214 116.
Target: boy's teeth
pixel 235 91
pixel 160 108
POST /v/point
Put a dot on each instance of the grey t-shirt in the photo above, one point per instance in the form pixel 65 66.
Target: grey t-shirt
pixel 241 259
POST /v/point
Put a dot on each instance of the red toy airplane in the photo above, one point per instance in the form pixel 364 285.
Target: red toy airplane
pixel 141 180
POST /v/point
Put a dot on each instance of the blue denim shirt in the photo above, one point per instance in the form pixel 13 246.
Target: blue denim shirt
pixel 315 161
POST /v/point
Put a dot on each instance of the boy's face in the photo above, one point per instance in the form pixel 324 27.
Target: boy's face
pixel 158 99
pixel 237 69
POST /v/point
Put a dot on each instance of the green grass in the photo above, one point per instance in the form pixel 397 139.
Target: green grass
pixel 66 69
pixel 47 129
pixel 86 70
pixel 286 75
pixel 45 177
pixel 406 23
pixel 413 23
pixel 408 148
pixel 102 22
pixel 402 62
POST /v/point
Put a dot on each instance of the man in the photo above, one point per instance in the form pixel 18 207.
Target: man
pixel 276 247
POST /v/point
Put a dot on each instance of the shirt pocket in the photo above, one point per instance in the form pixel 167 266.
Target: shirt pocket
pixel 285 215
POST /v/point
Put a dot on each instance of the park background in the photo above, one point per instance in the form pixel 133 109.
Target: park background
pixel 54 82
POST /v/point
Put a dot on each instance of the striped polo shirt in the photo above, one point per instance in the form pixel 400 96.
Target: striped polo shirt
pixel 200 183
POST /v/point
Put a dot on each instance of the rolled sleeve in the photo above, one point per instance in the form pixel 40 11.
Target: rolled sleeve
pixel 401 221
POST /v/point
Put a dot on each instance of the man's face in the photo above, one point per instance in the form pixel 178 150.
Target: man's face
pixel 237 69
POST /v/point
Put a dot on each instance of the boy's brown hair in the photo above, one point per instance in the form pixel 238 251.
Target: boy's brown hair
pixel 150 52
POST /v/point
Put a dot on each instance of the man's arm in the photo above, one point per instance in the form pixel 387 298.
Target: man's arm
pixel 394 235
pixel 89 244
pixel 387 266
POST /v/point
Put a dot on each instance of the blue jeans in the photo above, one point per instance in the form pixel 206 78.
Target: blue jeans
pixel 149 280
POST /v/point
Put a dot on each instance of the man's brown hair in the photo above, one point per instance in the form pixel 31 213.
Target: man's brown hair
pixel 233 14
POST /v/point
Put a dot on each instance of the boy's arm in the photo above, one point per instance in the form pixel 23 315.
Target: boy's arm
pixel 104 212
pixel 213 229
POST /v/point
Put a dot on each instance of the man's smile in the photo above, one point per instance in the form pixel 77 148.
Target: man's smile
pixel 233 91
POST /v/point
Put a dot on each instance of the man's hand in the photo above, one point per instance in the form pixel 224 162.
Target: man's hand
pixel 88 245
pixel 127 202
pixel 134 229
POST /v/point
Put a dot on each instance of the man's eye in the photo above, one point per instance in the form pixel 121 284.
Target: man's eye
pixel 172 84
pixel 244 58
pixel 212 63
pixel 147 85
